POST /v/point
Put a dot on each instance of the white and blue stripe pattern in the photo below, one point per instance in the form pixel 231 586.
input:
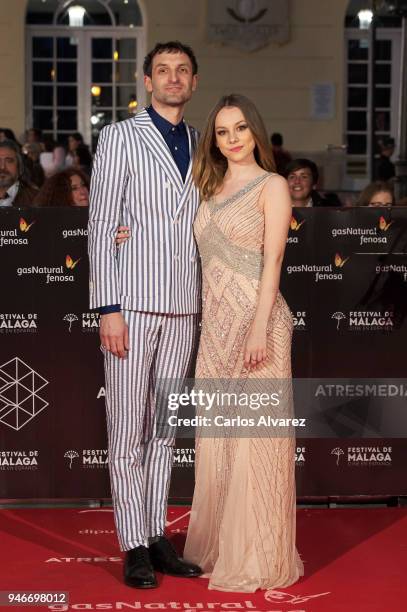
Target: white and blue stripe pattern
pixel 140 457
pixel 155 277
pixel 136 182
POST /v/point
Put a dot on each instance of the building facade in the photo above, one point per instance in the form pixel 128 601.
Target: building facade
pixel 66 71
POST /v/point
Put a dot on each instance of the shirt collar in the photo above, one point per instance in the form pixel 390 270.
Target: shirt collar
pixel 10 195
pixel 162 125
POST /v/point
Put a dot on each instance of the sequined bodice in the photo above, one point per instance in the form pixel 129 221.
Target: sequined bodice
pixel 233 230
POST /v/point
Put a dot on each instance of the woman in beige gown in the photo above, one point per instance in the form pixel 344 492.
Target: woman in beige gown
pixel 242 525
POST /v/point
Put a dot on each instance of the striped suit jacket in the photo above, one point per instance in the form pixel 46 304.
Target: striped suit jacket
pixel 136 182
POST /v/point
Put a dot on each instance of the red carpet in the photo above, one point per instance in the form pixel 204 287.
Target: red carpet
pixel 355 561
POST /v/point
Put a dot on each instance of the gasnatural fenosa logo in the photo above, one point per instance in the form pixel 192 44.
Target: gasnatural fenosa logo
pixel 322 272
pixel 340 261
pixel 24 226
pixel 384 225
pixel 54 274
pixel 12 237
pixel 70 263
pixel 366 235
pixel 294 227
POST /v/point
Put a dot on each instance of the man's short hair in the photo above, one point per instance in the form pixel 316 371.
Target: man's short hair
pixel 10 144
pixel 173 46
pixel 276 139
pixel 387 141
pixel 299 164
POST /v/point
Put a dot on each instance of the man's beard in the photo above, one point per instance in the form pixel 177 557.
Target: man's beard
pixel 174 99
pixel 6 180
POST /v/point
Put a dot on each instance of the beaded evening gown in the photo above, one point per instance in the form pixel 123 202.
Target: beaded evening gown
pixel 242 525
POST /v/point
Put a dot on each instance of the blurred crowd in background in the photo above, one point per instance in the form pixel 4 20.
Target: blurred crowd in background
pixel 41 172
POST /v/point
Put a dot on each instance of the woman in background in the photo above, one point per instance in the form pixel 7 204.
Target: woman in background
pixel 378 193
pixel 67 188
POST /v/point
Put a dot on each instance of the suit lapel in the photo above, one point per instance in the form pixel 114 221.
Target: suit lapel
pixel 158 147
pixel 189 184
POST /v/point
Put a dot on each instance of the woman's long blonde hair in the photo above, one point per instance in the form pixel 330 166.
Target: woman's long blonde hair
pixel 209 164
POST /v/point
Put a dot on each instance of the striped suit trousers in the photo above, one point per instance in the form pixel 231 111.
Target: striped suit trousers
pixel 161 347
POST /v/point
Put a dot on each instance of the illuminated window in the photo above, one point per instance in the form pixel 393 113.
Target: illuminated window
pixel 85 65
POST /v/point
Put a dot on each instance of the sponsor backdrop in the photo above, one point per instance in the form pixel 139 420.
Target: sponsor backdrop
pixel 345 280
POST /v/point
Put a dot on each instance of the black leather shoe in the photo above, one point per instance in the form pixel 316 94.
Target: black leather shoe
pixel 165 560
pixel 138 571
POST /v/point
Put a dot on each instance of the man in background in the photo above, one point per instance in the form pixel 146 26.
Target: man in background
pixel 385 169
pixel 14 189
pixel 302 177
pixel 281 157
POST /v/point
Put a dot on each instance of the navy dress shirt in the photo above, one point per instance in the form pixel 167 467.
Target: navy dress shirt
pixel 176 139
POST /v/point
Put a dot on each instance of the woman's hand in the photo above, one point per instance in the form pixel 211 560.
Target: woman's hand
pixel 255 352
pixel 123 234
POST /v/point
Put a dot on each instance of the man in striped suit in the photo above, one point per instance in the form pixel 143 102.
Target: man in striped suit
pixel 148 294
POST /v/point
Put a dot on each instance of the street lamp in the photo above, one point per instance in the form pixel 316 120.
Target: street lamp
pixel 365 19
pixel 76 15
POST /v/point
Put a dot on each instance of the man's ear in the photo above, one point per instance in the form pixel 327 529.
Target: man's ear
pixel 194 82
pixel 148 83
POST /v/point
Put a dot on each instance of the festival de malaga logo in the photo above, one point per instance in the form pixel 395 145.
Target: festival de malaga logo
pixel 184 457
pixel 89 458
pixel 17 460
pixel 364 320
pixel 89 321
pixel 300 455
pixel 363 456
pixel 18 322
pixel 300 320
